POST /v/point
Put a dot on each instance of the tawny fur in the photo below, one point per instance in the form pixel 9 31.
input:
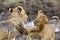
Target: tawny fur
pixel 42 28
pixel 17 16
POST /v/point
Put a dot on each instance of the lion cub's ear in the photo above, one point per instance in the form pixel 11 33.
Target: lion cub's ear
pixel 55 17
pixel 40 13
pixel 19 8
pixel 11 10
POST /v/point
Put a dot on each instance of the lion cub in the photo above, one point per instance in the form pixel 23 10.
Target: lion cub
pixel 9 27
pixel 42 29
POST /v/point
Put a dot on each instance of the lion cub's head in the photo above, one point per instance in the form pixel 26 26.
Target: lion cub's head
pixel 41 19
pixel 18 12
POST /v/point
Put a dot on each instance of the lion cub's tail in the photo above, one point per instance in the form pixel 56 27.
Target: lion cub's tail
pixel 57 21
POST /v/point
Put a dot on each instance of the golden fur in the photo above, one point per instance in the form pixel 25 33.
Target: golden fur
pixel 17 16
pixel 4 34
pixel 42 28
pixel 43 17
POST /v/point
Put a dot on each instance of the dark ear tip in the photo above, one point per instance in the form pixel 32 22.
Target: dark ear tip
pixel 40 11
pixel 19 9
pixel 10 10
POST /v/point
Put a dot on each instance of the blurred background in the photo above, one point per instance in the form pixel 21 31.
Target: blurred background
pixel 49 7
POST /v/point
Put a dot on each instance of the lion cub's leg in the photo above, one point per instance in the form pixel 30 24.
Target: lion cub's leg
pixel 52 36
pixel 34 35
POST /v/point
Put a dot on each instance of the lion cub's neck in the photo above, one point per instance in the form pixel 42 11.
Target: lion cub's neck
pixel 14 21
